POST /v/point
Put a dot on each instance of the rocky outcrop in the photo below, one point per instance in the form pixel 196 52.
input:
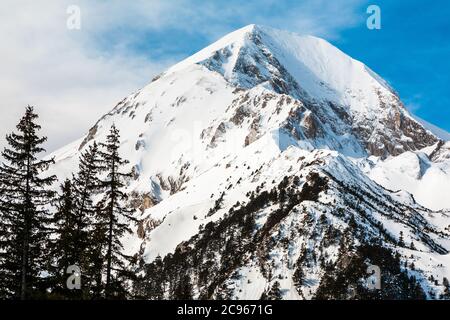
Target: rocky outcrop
pixel 311 127
pixel 441 153
pixel 241 113
pixel 142 201
pixel 220 131
pixel 145 226
pixel 91 134
pixel 171 184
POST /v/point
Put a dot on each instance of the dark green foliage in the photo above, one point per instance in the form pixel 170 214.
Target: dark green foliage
pixel 25 220
pixel 217 205
pixel 184 289
pixel 86 183
pixel 113 216
pixel 63 248
pixel 274 293
pixel 37 246
pixel 446 284
pixel 290 198
pixel 401 242
pixel 151 285
pixel 298 276
pixel 75 227
pixel 95 258
pixel 347 279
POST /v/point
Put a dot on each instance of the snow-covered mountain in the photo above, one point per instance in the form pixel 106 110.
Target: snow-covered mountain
pixel 273 157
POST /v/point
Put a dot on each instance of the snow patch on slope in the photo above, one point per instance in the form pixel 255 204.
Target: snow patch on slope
pixel 427 181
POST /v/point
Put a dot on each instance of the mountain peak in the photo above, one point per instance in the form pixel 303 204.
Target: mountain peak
pixel 278 127
pixel 256 54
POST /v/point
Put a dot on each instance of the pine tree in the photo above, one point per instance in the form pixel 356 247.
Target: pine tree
pixel 114 215
pixel 95 257
pixel 63 247
pixel 85 183
pixel 401 242
pixel 184 289
pixel 24 216
pixel 87 254
pixel 298 277
pixel 275 292
pixel 151 284
pixel 446 285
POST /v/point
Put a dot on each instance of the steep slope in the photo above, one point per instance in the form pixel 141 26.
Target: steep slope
pixel 263 110
pixel 301 219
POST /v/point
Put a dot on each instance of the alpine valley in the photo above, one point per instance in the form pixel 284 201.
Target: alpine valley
pixel 272 165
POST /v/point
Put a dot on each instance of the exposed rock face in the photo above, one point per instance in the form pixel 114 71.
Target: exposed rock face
pixel 254 131
pixel 394 132
pixel 441 153
pixel 141 201
pixel 255 64
pixel 135 172
pixel 241 114
pixel 140 144
pixel 145 226
pixel 220 131
pixel 171 184
pixel 310 125
pixel 89 137
pixel 390 132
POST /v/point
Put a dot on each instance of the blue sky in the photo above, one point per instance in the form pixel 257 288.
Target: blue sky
pixel 75 76
pixel 412 52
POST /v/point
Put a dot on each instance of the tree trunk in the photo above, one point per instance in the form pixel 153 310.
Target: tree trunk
pixel 27 228
pixel 110 232
pixel 23 287
pixel 109 255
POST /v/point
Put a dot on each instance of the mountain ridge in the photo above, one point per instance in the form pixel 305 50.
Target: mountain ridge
pixel 264 110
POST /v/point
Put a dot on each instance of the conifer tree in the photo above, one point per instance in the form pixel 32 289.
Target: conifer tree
pixel 274 292
pixel 114 216
pixel 184 289
pixel 73 222
pixel 150 285
pixel 5 280
pixel 446 285
pixel 85 184
pixel 401 242
pixel 95 256
pixel 63 246
pixel 25 218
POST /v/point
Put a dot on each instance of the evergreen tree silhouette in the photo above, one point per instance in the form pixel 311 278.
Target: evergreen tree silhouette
pixel 114 217
pixel 24 217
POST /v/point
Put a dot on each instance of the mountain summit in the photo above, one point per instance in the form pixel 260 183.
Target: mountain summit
pixel 254 164
pixel 316 72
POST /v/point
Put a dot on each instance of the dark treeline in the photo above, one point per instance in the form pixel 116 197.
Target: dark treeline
pixel 66 244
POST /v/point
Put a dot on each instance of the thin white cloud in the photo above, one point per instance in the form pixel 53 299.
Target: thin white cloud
pixel 43 63
pixel 73 81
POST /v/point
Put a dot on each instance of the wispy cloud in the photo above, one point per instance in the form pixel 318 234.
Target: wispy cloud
pixel 75 76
